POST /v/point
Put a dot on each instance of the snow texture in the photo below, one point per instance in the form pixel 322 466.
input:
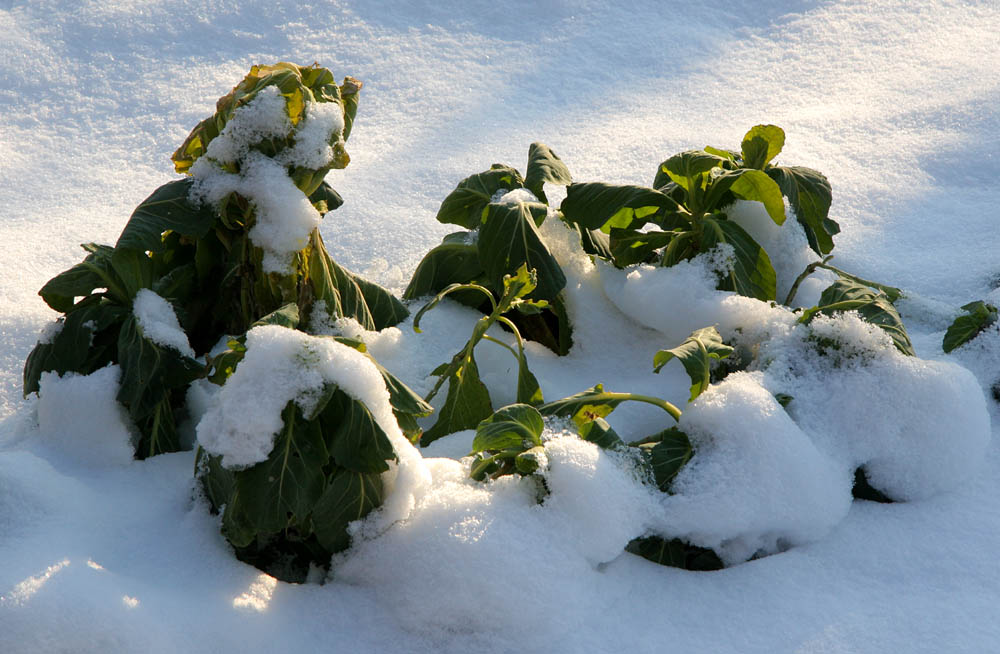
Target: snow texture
pixel 159 322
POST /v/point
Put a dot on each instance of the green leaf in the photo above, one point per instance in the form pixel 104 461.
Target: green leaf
pixel 978 316
pixel 729 155
pixel 696 353
pixel 593 241
pixel 149 370
pixel 325 199
pixel 353 437
pixel 667 456
pixel 810 196
pixel 468 402
pixel 95 271
pixel 464 206
pixel 750 272
pixel 756 186
pixel 346 295
pixel 544 167
pixel 528 389
pixel 80 345
pixel 385 308
pixel 599 432
pixel 168 208
pixel 848 295
pixel 158 430
pixel 600 206
pixel 685 167
pixel 528 462
pixel 287 316
pixel 585 406
pixel 675 553
pixel 402 398
pixel 349 496
pixel 508 240
pixel 448 263
pixel 178 285
pixel 134 270
pixel 629 247
pixel 513 426
pixel 762 144
pixel 282 490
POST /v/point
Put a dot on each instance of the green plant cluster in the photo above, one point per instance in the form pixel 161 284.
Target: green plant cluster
pixel 291 510
pixel 202 260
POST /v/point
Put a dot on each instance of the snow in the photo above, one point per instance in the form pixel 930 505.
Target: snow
pixel 284 216
pixel 159 323
pixel 284 365
pixel 893 101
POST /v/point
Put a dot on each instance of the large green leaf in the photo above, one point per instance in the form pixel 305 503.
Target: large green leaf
pixel 385 308
pixel 848 295
pixel 750 272
pixel 667 456
pixel 685 167
pixel 354 439
pixel 629 246
pixel 600 206
pixel 168 208
pixel 349 496
pixel 282 490
pixel 810 196
pixel 464 206
pixel 402 398
pixel 95 271
pixel 468 402
pixel 513 426
pixel 696 354
pixel 599 432
pixel 762 144
pixel 756 186
pixel 544 167
pixel 149 370
pixel 81 344
pixel 978 316
pixel 133 269
pixel 509 239
pixel 346 295
pixel 448 263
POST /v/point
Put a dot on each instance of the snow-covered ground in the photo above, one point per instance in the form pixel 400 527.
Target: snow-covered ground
pixel 896 102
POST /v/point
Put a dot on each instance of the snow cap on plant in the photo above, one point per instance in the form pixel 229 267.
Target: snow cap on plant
pixel 303 89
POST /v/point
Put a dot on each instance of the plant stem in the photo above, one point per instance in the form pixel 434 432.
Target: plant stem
pixel 674 412
pixel 810 269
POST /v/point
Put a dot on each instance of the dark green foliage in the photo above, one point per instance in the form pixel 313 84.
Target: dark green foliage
pixel 501 239
pixel 978 316
pixel 468 401
pixel 292 509
pixel 201 260
pixel 862 490
pixel 872 306
pixel 684 213
pixel 675 553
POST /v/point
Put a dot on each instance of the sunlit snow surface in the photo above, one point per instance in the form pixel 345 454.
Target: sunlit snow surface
pixel 895 101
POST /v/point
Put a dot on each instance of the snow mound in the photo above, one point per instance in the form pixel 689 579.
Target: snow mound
pixel 80 420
